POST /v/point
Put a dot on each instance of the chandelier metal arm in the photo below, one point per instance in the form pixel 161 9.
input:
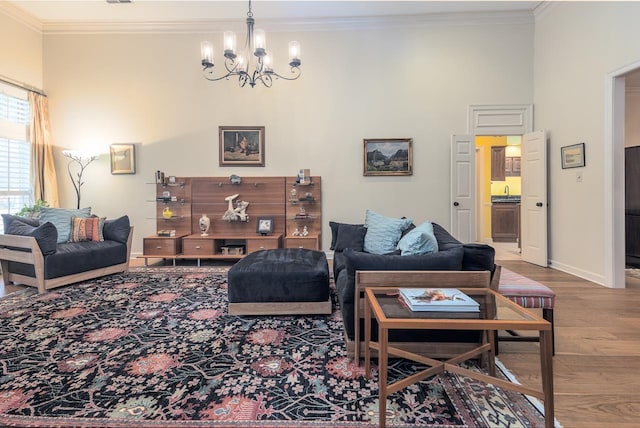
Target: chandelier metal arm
pixel 229 64
pixel 294 70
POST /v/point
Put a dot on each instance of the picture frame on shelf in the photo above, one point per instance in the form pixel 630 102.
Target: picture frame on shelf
pixel 573 156
pixel 123 158
pixel 242 145
pixel 264 226
pixel 388 156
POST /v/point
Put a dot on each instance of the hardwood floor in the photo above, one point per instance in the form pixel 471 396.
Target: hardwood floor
pixel 597 364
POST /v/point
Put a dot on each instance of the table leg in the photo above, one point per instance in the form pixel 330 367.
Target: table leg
pixel 546 365
pixel 491 335
pixel 356 332
pixel 383 341
pixel 367 340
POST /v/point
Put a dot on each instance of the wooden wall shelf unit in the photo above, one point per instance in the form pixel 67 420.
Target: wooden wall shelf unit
pixel 305 199
pixel 269 197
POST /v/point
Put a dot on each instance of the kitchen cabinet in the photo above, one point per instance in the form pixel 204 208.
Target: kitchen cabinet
pixel 505 219
pixel 512 166
pixel 503 166
pixel 498 163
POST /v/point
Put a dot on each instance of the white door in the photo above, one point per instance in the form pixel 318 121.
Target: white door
pixel 463 198
pixel 533 209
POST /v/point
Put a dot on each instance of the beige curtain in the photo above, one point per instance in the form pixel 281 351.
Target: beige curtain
pixel 43 176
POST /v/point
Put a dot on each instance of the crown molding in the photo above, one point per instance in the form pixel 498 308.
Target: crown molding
pixel 298 25
pixel 20 16
pixel 543 9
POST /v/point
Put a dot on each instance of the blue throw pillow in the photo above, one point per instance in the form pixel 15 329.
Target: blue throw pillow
pixel 46 234
pixel 61 219
pixel 383 233
pixel 420 240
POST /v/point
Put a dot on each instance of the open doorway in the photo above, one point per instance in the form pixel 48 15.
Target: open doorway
pixel 614 164
pixel 632 179
pixel 499 188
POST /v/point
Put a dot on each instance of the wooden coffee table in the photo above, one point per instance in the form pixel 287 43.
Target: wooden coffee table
pixel 496 313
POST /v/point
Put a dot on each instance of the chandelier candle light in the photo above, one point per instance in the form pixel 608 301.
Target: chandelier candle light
pixel 83 159
pixel 240 63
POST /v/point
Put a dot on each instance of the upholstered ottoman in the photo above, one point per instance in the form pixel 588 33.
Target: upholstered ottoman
pixel 280 282
pixel 529 294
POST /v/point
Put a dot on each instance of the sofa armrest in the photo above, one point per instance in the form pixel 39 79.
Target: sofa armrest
pixel 22 249
pixel 129 241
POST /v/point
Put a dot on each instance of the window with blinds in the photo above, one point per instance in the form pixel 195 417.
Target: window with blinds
pixel 15 150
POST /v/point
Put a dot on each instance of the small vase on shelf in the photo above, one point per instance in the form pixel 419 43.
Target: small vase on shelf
pixel 204 224
pixel 167 213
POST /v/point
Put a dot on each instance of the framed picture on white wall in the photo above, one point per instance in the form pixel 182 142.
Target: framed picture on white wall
pixel 123 159
pixel 388 156
pixel 573 156
pixel 242 146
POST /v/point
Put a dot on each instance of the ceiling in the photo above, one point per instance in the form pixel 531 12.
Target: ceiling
pixel 57 11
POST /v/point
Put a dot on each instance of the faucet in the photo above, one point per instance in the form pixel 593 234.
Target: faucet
pixel 506 189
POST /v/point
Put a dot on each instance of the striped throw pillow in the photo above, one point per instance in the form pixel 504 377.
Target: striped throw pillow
pixel 87 229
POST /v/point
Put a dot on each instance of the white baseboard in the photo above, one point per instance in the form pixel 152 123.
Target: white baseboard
pixel 589 276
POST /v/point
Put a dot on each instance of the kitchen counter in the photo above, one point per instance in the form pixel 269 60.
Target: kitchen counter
pixel 511 199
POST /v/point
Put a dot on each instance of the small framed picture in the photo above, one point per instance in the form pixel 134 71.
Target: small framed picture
pixel 573 156
pixel 123 159
pixel 264 226
pixel 388 156
pixel 241 145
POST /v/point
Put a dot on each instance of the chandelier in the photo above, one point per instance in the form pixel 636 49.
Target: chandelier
pixel 241 64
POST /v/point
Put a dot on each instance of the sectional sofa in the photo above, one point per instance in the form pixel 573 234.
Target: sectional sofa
pixel 451 255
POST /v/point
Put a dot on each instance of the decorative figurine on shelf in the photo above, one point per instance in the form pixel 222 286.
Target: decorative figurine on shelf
pixel 302 213
pixel 167 213
pixel 305 231
pixel 204 224
pixel 235 179
pixel 296 232
pixel 294 194
pixel 238 213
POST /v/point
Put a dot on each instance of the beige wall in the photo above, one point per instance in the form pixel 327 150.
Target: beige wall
pixel 147 89
pixel 20 52
pixel 576 45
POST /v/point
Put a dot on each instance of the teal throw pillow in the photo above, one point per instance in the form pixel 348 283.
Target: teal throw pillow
pixel 61 219
pixel 419 240
pixel 383 233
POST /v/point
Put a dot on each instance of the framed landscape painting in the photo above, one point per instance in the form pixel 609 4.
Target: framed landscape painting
pixel 388 156
pixel 573 156
pixel 241 146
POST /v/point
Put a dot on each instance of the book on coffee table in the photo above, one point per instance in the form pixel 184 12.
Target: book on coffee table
pixel 440 300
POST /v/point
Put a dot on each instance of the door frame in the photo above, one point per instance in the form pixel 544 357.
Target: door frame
pixel 614 176
pixel 499 119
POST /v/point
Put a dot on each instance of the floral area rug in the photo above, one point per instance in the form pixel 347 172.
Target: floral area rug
pixel 156 347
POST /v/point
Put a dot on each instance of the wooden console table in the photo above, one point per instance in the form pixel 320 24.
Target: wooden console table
pixel 496 313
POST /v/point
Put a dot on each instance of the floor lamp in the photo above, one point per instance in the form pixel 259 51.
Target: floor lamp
pixel 83 159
